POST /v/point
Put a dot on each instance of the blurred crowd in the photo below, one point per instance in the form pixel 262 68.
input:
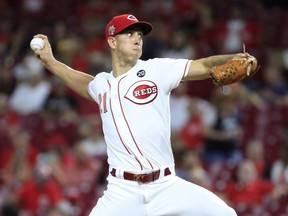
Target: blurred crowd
pixel 231 140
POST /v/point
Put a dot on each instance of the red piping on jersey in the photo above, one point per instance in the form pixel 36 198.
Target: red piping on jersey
pixel 127 149
pixel 128 124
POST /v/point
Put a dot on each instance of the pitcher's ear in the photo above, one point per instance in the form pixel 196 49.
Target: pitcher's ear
pixel 111 42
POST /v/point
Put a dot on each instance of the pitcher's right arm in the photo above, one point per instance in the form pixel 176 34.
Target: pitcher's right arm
pixel 76 80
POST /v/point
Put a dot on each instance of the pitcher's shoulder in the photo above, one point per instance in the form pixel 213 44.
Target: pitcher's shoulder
pixel 102 75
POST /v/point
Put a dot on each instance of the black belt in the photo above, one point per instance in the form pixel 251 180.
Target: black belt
pixel 142 178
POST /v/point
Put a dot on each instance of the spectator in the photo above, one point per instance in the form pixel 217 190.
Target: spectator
pixel 8 120
pixel 56 154
pixel 180 46
pixel 18 161
pixel 255 152
pixel 192 133
pixel 196 172
pixel 275 89
pixel 201 113
pixel 38 194
pixel 92 139
pixel 248 189
pixel 59 115
pixel 236 30
pixel 81 176
pixel 7 81
pixel 157 41
pixel 222 137
pixel 59 100
pixel 279 172
pixel 31 92
pixel 179 103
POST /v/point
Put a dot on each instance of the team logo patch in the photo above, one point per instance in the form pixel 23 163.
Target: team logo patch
pixel 111 30
pixel 141 73
pixel 142 92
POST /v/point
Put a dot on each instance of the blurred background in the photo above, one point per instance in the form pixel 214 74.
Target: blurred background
pixel 233 141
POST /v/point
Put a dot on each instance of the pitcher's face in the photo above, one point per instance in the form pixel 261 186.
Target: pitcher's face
pixel 129 43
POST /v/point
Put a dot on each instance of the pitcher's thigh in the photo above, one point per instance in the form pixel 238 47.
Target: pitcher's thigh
pixel 120 199
pixel 185 199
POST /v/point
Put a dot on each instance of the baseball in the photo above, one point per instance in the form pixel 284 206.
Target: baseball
pixel 37 44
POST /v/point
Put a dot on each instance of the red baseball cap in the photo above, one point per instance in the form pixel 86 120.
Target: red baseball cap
pixel 121 22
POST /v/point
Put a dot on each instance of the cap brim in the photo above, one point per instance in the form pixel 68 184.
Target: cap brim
pixel 145 27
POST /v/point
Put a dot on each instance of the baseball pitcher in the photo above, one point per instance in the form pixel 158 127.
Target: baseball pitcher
pixel 133 101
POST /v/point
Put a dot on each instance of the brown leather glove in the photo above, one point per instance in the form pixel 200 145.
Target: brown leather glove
pixel 236 69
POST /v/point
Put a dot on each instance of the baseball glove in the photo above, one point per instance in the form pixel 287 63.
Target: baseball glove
pixel 234 70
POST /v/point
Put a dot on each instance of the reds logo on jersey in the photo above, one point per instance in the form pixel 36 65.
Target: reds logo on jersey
pixel 142 92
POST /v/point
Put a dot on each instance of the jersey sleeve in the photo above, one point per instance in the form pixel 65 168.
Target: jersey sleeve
pixel 92 90
pixel 170 72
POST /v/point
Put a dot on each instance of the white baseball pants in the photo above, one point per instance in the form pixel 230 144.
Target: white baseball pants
pixel 169 196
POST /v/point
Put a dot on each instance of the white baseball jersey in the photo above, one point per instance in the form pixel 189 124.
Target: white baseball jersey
pixel 135 113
